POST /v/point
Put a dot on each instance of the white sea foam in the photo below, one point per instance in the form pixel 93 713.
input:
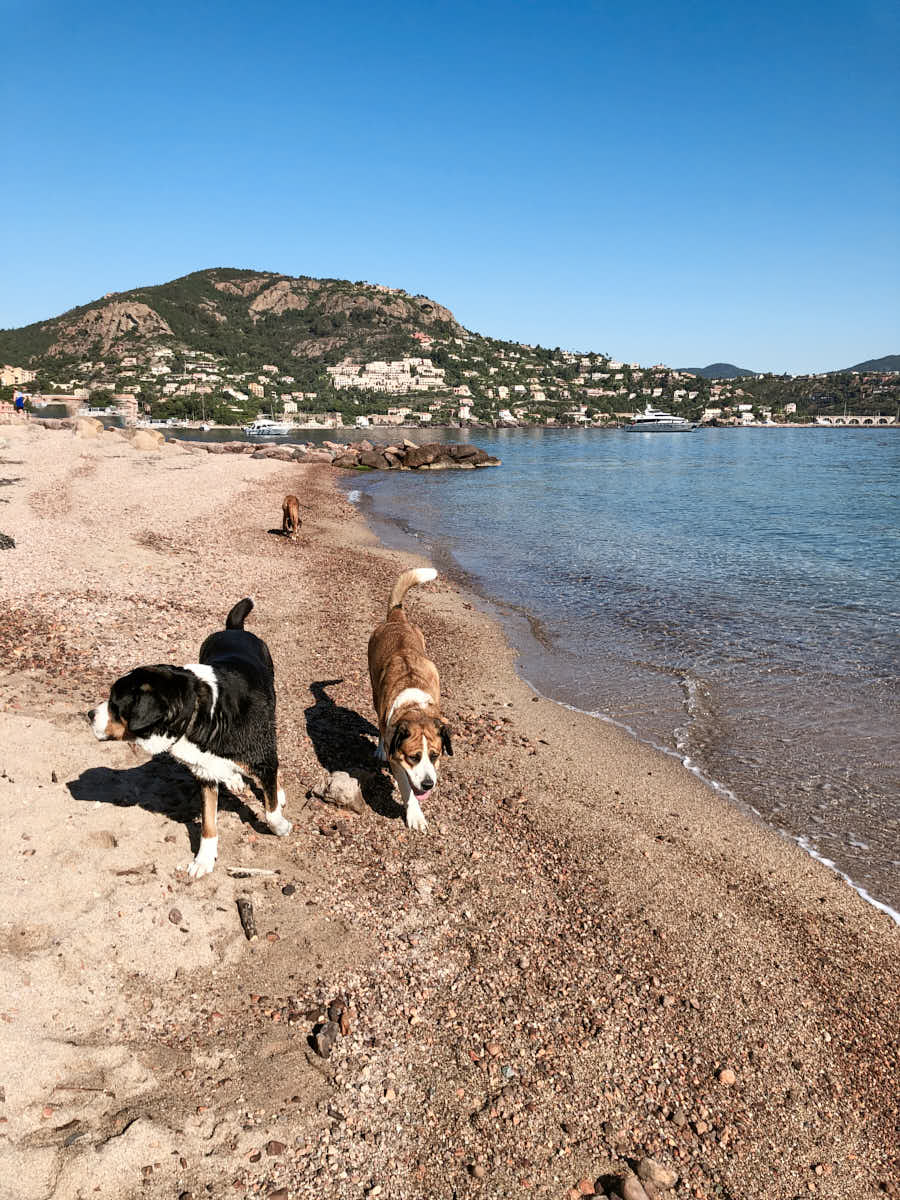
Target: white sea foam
pixel 804 844
pixel 354 495
pixel 721 790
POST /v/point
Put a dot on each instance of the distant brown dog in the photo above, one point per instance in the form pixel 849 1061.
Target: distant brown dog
pixel 290 516
pixel 406 692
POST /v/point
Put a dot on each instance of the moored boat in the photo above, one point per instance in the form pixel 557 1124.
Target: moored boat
pixel 653 420
pixel 266 427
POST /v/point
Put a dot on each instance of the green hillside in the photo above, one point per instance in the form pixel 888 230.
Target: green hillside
pixel 225 343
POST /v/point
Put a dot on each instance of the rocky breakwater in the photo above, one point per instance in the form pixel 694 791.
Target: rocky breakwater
pixel 361 456
pixel 90 429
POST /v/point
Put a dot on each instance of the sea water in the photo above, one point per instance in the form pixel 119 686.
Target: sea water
pixel 730 595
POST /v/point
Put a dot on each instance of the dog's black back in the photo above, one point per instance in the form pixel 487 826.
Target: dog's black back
pixel 243 725
pixel 235 646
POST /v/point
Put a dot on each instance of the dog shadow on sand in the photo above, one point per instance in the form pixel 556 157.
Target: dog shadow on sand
pixel 343 741
pixel 161 786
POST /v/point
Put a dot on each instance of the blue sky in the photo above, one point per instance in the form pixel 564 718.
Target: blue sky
pixel 676 182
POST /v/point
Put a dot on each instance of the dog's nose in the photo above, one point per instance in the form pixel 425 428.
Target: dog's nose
pixel 427 784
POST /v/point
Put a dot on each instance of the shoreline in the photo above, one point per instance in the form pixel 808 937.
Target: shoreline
pixel 468 427
pixel 506 614
pixel 552 983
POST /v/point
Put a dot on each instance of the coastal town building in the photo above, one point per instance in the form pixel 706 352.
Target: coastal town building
pixel 15 376
pixel 397 377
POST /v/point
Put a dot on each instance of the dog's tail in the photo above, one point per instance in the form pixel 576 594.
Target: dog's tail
pixel 407 580
pixel 239 614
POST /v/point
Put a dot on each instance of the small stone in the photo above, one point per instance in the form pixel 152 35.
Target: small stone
pixel 175 916
pixel 343 791
pixel 273 1148
pixel 479 1171
pixel 288 889
pixel 336 1009
pixel 585 1187
pixel 104 839
pixel 54 778
pixel 679 1118
pixel 649 1170
pixel 700 1127
pixel 727 1076
pixel 279 1194
pixel 324 1037
pixel 493 1048
pixel 632 1189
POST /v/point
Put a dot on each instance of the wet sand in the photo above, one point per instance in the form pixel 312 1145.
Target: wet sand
pixel 546 987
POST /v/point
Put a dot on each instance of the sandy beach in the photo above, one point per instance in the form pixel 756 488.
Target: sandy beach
pixel 591 958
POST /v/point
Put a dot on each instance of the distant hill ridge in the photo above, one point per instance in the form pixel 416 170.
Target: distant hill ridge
pixel 260 315
pixel 719 371
pixel 890 362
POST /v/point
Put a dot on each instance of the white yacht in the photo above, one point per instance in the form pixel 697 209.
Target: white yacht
pixel 652 420
pixel 266 427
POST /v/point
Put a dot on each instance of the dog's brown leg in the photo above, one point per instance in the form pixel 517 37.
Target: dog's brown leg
pixel 274 798
pixel 208 825
pixel 209 834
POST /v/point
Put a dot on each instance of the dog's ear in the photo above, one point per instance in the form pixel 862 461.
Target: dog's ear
pixel 446 744
pixel 147 710
pixel 401 732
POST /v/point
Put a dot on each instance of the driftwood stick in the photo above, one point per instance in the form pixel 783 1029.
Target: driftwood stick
pixel 245 912
pixel 241 872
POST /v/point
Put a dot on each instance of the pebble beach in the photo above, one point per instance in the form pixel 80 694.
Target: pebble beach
pixel 591 962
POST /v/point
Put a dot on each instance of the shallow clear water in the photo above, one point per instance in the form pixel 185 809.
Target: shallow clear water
pixel 729 594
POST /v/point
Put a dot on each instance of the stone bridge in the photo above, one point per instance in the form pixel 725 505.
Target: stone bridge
pixel 854 419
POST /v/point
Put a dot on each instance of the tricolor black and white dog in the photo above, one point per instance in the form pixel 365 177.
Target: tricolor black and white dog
pixel 217 716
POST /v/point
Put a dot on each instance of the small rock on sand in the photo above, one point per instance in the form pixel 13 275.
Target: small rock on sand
pixel 650 1171
pixel 144 440
pixel 343 791
pixel 103 838
pixel 324 1037
pixel 631 1188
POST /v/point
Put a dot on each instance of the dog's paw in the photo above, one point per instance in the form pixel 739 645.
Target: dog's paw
pixel 415 818
pixel 205 859
pixel 279 825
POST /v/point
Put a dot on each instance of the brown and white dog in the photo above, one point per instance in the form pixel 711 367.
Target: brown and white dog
pixel 406 692
pixel 290 516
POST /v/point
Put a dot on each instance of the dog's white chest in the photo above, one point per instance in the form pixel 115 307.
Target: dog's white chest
pixel 209 768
